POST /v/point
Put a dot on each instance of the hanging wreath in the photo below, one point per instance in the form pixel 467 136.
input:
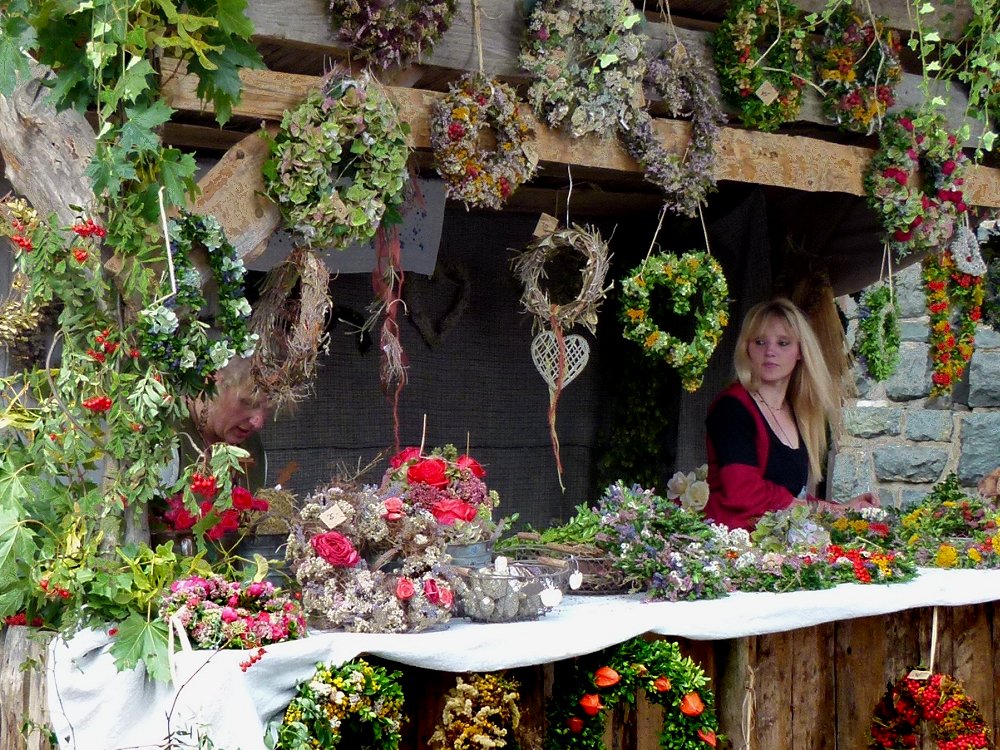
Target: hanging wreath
pixel 988 234
pixel 350 706
pixel 481 711
pixel 475 174
pixel 964 249
pixel 586 62
pixel 879 332
pixel 956 723
pixel 337 166
pixel 694 276
pixel 171 335
pixel 916 218
pixel 682 81
pixel 950 292
pixel 762 61
pixel 391 33
pixel 857 64
pixel 583 696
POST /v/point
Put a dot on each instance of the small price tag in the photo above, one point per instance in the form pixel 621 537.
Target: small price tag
pixel 546 225
pixel 333 516
pixel 919 674
pixel 766 92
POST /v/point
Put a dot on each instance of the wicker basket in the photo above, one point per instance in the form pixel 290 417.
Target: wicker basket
pixel 524 590
pixel 599 575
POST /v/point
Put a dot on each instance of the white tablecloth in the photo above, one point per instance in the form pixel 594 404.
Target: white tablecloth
pixel 95 707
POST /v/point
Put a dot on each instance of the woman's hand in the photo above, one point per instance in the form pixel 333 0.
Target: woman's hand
pixel 864 500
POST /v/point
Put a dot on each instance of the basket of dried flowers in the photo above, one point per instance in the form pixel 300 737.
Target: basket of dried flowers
pixel 598 574
pixel 510 589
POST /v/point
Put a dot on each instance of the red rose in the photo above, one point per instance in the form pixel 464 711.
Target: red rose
pixel 445 597
pixel 429 471
pixel 431 591
pixel 404 589
pixel 906 124
pixel 242 499
pixel 949 166
pixel 407 454
pixel 452 509
pixel 336 549
pixel 468 462
pixel 392 509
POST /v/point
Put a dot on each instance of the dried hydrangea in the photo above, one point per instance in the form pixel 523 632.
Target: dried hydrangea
pixel 391 33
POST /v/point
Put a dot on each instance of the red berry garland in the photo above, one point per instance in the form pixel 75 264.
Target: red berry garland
pixel 948 290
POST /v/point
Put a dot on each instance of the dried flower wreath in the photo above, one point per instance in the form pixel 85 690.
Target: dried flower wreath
pixel 481 711
pixel 387 34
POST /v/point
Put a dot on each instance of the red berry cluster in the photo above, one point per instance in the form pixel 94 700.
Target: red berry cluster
pixel 22 242
pixel 53 591
pixel 97 404
pixel 89 229
pixel 203 485
pixel 254 658
pixel 80 254
pixel 22 619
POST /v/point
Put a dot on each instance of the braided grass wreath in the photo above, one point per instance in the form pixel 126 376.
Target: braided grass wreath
pixel 583 697
pixel 879 333
pixel 351 706
pixel 916 218
pixel 693 275
pixel 391 33
pixel 476 175
pixel 956 722
pixel 337 165
pixel 768 89
pixel 586 63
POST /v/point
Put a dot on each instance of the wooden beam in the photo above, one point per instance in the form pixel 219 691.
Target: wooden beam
pixel 742 155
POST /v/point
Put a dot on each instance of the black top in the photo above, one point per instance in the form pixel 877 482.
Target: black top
pixel 732 429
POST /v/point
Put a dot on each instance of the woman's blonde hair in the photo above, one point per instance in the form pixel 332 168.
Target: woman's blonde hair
pixel 811 390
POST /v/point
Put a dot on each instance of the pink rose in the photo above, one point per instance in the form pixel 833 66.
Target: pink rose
pixel 429 471
pixel 229 614
pixel 404 589
pixel 949 166
pixel 336 549
pixel 468 462
pixel 407 454
pixel 452 509
pixel 431 591
pixel 256 588
pixel 392 509
pixel 242 499
pixel 446 598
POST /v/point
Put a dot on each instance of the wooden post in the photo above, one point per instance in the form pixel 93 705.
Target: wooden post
pixel 23 693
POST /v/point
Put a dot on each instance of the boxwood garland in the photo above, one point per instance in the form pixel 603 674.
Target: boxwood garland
pixel 387 34
pixel 584 696
pixel 749 28
pixel 692 277
pixel 477 175
pixel 879 332
pixel 337 166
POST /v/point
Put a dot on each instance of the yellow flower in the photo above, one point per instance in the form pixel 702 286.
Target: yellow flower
pixel 947 556
pixel 859 526
pixel 975 555
pixel 460 113
pixel 651 339
pixel 995 541
pixel 635 315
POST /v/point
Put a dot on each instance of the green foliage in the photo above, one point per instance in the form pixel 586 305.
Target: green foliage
pixel 879 333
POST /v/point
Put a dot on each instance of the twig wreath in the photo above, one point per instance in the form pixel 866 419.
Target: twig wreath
pixel 916 218
pixel 480 713
pixel 950 292
pixel 586 63
pixel 337 166
pixel 171 336
pixel 682 81
pixel 879 332
pixel 583 697
pixel 857 64
pixel 955 720
pixel 387 34
pixel 692 277
pixel 761 59
pixel 350 706
pixel 478 175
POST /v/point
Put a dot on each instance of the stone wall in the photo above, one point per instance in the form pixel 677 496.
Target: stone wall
pixel 895 437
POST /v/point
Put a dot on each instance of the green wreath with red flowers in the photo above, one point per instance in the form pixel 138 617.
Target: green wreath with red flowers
pixel 949 293
pixel 917 218
pixel 590 687
pixel 955 721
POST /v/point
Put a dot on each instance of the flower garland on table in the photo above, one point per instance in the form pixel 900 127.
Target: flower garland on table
pixel 916 219
pixel 682 81
pixel 768 91
pixel 858 63
pixel 391 33
pixel 354 705
pixel 879 332
pixel 187 355
pixel 694 276
pixel 337 166
pixel 949 291
pixel 474 174
pixel 956 722
pixel 586 62
pixel 583 697
pixel 481 711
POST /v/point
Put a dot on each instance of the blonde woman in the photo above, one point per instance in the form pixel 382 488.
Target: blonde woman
pixel 766 433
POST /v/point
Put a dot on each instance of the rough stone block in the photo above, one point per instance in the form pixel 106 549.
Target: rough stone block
pixel 987 338
pixel 910 497
pixel 868 422
pixel 928 425
pixel 914 330
pixel 911 301
pixel 912 378
pixel 909 463
pixel 852 474
pixel 980 446
pixel 984 379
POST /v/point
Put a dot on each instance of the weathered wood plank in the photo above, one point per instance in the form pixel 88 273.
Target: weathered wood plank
pixel 23 689
pixel 859 662
pixel 774 688
pixel 736 680
pixel 812 690
pixel 971 639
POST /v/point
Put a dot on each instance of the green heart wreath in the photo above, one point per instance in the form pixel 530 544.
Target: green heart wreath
pixel 475 174
pixel 582 696
pixel 391 33
pixel 762 42
pixel 480 711
pixel 337 166
pixel 356 702
pixel 955 720
pixel 692 276
pixel 878 332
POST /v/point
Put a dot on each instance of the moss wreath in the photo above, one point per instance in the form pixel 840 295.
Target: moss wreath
pixel 916 218
pixel 479 176
pixel 690 276
pixel 391 33
pixel 879 332
pixel 583 696
pixel 337 166
pixel 761 59
pixel 956 723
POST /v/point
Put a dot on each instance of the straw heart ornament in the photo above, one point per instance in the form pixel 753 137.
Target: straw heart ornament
pixel 555 369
